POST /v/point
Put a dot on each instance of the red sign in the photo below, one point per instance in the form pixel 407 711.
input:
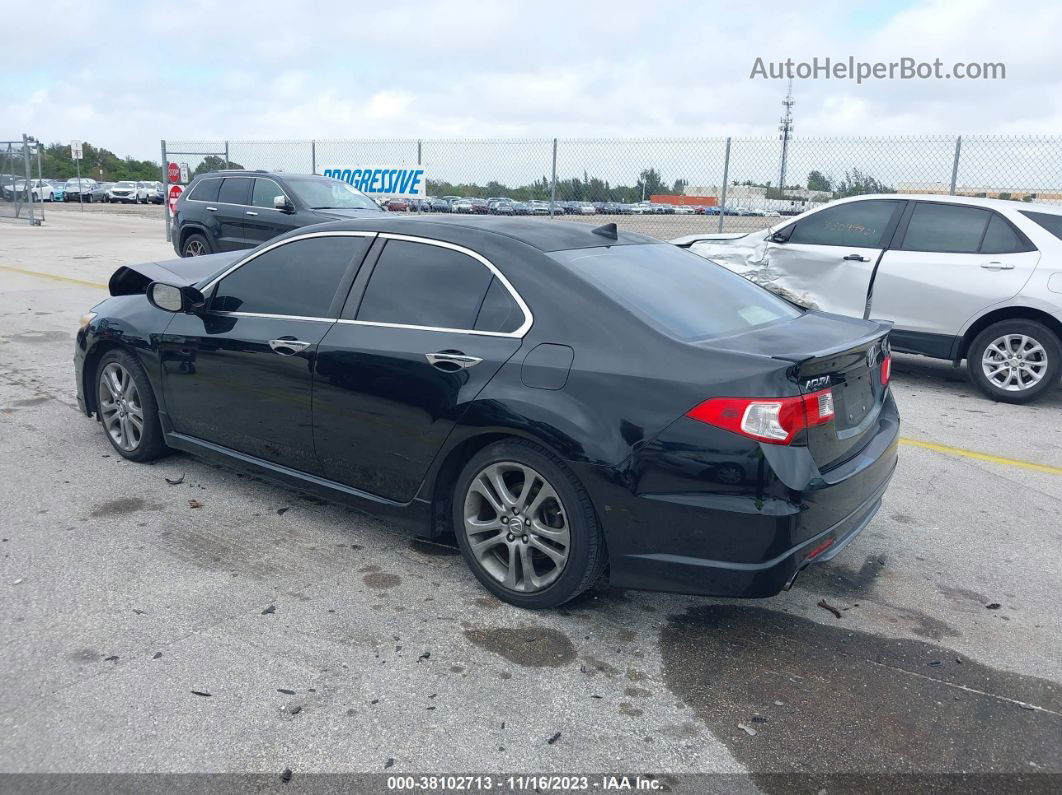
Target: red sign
pixel 173 171
pixel 175 193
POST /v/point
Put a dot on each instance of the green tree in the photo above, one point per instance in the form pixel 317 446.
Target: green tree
pixel 818 181
pixel 214 163
pixel 856 183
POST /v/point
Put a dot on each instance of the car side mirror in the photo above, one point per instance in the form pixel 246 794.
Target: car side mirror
pixel 779 237
pixel 283 204
pixel 170 298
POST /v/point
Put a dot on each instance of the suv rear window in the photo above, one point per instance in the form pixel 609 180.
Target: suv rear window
pixel 1049 221
pixel 682 294
pixel 205 190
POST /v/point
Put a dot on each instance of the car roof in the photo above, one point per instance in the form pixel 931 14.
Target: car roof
pixel 543 235
pixel 975 201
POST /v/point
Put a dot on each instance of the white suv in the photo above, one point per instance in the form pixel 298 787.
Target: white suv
pixel 962 278
pixel 128 191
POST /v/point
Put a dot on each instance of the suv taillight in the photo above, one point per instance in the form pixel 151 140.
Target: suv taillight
pixel 771 420
pixel 886 370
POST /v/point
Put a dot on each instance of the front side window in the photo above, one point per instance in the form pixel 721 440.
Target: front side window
pixel 265 190
pixel 298 278
pixel 860 223
pixel 945 228
pixel 417 284
pixel 235 190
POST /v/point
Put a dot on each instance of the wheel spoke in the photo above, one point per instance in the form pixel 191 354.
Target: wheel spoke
pixel 481 487
pixel 531 578
pixel 494 477
pixel 553 554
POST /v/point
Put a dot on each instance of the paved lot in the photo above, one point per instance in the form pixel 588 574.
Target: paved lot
pixel 329 641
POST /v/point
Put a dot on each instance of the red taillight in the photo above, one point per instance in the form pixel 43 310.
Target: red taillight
pixel 771 420
pixel 886 369
pixel 820 548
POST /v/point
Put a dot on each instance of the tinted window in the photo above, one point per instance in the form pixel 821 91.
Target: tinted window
pixel 235 190
pixel 422 285
pixel 945 227
pixel 298 278
pixel 1049 221
pixel 265 190
pixel 1000 238
pixel 499 311
pixel 678 292
pixel 860 223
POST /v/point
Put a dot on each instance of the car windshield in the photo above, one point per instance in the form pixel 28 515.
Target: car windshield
pixel 329 194
pixel 123 184
pixel 678 292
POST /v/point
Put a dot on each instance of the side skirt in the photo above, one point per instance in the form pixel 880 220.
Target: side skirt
pixel 414 516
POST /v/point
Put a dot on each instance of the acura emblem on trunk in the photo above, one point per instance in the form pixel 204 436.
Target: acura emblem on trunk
pixel 816 383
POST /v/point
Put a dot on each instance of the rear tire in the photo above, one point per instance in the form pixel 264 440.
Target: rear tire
pixel 126 407
pixel 1015 361
pixel 195 245
pixel 534 540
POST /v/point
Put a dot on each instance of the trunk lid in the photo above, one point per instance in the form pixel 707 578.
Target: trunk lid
pixel 828 352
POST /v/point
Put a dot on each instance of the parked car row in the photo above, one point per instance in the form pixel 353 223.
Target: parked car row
pixel 83 189
pixel 505 206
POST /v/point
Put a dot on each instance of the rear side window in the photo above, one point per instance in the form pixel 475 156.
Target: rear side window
pixel 861 223
pixel 1049 221
pixel 235 190
pixel 298 278
pixel 945 227
pixel 417 284
pixel 205 190
pixel 1001 238
pixel 499 311
pixel 683 295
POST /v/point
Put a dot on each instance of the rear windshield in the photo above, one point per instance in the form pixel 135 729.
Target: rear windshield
pixel 1049 221
pixel 682 294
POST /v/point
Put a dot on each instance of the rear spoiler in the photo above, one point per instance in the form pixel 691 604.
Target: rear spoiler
pixel 882 329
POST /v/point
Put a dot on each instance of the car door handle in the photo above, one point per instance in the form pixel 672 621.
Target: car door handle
pixel 450 361
pixel 249 212
pixel 857 258
pixel 288 347
pixel 212 209
pixel 997 266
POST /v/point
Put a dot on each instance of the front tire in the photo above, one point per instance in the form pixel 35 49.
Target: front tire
pixel 1015 361
pixel 526 527
pixel 126 407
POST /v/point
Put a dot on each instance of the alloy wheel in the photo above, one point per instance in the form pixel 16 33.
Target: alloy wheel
pixel 1014 362
pixel 194 248
pixel 516 526
pixel 121 410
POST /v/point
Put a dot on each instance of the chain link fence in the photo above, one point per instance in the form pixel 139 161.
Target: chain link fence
pixel 22 191
pixel 671 187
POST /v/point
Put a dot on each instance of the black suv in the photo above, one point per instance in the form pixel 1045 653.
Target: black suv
pixel 230 210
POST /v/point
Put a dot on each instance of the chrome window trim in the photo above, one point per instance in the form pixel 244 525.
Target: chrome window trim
pixel 518 333
pixel 270 317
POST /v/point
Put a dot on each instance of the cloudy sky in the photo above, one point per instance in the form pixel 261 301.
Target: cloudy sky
pixel 123 74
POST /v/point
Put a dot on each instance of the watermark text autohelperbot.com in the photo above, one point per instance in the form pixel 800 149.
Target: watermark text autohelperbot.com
pixel 851 69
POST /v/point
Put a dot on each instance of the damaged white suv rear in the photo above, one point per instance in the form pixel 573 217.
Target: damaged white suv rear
pixel 962 278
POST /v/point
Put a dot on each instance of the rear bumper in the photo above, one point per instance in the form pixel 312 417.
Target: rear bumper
pixel 732 522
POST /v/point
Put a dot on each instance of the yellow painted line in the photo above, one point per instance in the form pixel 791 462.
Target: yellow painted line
pixel 992 459
pixel 54 277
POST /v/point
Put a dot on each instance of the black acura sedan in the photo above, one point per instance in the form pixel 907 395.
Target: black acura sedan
pixel 568 401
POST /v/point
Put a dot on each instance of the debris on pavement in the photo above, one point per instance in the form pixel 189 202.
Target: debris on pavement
pixel 286 775
pixel 176 482
pixel 751 732
pixel 285 691
pixel 827 606
pixel 282 511
pixel 426 655
pixel 269 610
pixel 195 504
pixel 202 693
pixel 993 606
pixel 553 739
pixel 156 655
pixel 390 762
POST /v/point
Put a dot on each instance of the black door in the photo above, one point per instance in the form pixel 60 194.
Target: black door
pixel 430 329
pixel 228 211
pixel 240 373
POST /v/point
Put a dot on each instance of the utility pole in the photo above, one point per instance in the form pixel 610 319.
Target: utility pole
pixel 786 128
